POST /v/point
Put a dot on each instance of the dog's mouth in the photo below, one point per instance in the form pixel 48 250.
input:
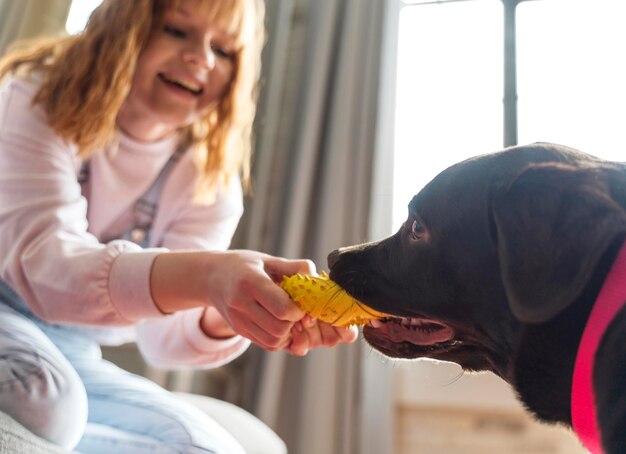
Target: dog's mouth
pixel 417 337
pixel 416 331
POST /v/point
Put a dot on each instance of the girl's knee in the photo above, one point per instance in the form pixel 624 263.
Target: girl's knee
pixel 48 399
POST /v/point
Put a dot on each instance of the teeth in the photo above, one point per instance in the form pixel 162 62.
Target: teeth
pixel 189 85
pixel 414 324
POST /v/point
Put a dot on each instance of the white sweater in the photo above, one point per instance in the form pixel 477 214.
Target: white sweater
pixel 51 252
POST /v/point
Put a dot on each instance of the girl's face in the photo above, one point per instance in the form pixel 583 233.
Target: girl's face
pixel 184 70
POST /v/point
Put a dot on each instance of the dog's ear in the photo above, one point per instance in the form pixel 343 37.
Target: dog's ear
pixel 553 224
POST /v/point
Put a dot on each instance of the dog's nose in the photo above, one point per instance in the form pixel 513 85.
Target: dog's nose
pixel 332 258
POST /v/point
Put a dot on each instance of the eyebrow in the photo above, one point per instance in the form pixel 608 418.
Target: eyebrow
pixel 188 15
pixel 181 10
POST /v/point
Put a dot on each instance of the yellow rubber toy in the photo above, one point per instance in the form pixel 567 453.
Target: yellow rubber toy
pixel 324 300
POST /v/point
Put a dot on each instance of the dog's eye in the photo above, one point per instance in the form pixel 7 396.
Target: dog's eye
pixel 417 230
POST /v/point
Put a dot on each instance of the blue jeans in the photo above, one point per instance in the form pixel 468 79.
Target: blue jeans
pixel 54 381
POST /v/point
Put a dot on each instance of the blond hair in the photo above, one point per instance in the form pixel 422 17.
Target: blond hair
pixel 87 77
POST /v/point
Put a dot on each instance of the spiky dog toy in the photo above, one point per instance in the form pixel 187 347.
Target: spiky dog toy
pixel 324 300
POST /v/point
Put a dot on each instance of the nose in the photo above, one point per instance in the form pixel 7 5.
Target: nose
pixel 333 258
pixel 201 55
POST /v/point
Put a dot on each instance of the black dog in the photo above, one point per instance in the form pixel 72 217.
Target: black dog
pixel 497 268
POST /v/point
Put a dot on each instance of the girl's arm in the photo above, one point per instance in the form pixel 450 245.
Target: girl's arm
pixel 62 271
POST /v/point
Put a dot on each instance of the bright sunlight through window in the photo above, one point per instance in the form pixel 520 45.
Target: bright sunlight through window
pixel 571 83
pixel 449 91
pixel 79 14
pixel 572 74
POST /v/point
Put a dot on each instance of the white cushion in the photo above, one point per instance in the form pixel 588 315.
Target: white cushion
pixel 253 434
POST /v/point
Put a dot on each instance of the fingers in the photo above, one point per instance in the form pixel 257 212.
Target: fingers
pixel 277 267
pixel 308 321
pixel 348 334
pixel 269 295
pixel 263 339
pixel 253 321
pixel 311 333
pixel 277 303
pixel 299 344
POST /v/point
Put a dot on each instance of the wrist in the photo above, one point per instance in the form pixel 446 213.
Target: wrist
pixel 178 281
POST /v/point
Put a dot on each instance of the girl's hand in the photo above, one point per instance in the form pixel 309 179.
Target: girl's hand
pixel 245 292
pixel 310 333
pixel 242 286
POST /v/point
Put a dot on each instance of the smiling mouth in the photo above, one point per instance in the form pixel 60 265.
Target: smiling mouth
pixel 416 331
pixel 187 85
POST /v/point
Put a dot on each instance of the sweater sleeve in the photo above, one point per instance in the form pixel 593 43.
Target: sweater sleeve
pixel 63 273
pixel 176 341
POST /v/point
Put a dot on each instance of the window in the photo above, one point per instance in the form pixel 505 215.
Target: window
pixel 449 90
pixel 79 14
pixel 450 82
pixel 572 74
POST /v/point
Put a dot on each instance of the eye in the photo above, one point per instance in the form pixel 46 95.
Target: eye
pixel 174 31
pixel 417 230
pixel 222 52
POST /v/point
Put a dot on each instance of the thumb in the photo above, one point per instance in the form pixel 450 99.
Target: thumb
pixel 279 267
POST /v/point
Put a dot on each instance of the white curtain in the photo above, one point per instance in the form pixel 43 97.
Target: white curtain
pixel 23 19
pixel 315 153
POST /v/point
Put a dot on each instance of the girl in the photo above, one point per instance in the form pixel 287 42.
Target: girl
pixel 122 155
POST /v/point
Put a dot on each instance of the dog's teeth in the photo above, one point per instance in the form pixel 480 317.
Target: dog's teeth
pixel 405 321
pixel 376 323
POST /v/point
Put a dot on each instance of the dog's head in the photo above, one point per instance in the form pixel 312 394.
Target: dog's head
pixel 490 244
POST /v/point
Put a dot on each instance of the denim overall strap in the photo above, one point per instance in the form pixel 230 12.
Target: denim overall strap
pixel 145 208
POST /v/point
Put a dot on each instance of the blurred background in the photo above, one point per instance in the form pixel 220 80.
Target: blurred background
pixel 362 102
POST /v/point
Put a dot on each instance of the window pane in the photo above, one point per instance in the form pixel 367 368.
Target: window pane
pixel 449 90
pixel 572 74
pixel 80 10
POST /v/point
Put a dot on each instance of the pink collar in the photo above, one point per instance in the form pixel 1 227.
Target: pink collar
pixel 610 300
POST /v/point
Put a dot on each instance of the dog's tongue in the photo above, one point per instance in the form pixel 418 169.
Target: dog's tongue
pixel 417 331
